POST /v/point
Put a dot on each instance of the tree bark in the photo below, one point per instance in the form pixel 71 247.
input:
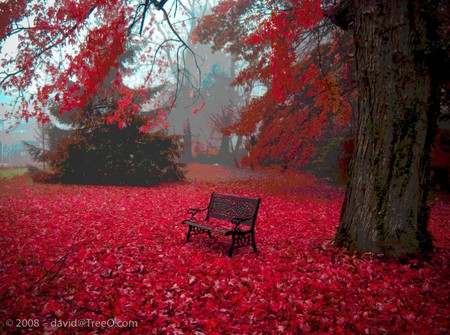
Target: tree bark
pixel 385 208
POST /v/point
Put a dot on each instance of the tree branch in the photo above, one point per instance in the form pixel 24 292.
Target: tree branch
pixel 51 44
pixel 341 14
pixel 186 47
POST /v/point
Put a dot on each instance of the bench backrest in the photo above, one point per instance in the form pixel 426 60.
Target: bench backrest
pixel 222 206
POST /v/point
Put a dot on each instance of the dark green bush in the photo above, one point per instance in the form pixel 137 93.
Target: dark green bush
pixel 108 154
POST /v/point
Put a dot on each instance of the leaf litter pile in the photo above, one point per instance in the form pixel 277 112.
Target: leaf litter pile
pixel 118 255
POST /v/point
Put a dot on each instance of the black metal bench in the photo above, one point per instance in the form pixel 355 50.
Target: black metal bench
pixel 239 214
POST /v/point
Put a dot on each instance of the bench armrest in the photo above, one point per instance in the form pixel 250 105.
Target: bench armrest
pixel 238 221
pixel 194 211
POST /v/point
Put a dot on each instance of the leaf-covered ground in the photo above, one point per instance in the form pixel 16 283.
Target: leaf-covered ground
pixel 73 257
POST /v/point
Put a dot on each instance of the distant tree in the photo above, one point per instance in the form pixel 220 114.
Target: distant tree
pixel 38 151
pixel 47 138
pixel 220 123
pixel 187 142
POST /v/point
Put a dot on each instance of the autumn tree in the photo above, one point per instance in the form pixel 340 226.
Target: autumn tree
pixel 401 66
pixel 296 66
pixel 64 50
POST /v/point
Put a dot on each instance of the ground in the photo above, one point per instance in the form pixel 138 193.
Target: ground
pixel 113 260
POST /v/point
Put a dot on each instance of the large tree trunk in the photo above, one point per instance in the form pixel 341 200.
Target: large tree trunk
pixel 385 209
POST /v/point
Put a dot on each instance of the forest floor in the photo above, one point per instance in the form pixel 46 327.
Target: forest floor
pixel 81 259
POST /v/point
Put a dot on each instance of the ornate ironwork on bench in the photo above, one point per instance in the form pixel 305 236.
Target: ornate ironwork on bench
pixel 239 214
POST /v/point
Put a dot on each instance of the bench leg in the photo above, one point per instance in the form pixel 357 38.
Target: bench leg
pixel 195 231
pixel 254 243
pixel 242 241
pixel 188 234
pixel 230 252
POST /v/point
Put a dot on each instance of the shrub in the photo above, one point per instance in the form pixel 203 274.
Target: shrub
pixel 113 155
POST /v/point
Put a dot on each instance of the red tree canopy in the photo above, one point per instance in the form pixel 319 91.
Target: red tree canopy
pixel 64 51
pixel 300 59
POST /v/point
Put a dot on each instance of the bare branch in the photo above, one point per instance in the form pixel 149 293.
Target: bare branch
pixel 147 3
pixel 182 42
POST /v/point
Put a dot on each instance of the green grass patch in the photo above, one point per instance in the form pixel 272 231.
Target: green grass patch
pixel 9 173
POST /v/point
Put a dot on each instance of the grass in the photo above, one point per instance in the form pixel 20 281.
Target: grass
pixel 9 173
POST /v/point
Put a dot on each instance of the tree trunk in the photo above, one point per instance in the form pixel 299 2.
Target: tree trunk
pixel 187 143
pixel 224 157
pixel 385 209
pixel 237 157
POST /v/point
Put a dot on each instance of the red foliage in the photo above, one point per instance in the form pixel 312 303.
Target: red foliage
pixel 119 253
pixel 12 11
pixel 303 62
pixel 66 54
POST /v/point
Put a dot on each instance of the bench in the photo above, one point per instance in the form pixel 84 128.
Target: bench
pixel 235 217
